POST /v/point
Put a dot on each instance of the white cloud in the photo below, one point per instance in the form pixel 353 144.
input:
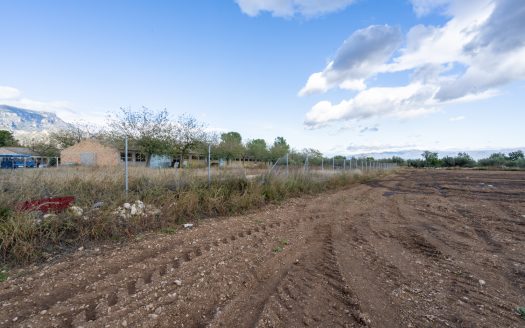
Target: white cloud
pixel 496 53
pixel 369 129
pixel 290 8
pixel 7 93
pixel 360 56
pixel 411 100
pixel 479 49
pixel 456 118
pixel 440 45
pixel 424 7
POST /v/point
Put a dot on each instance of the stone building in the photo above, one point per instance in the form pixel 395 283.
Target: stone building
pixel 94 153
pixel 90 153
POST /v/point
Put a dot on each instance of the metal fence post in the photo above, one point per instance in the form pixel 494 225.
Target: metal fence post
pixel 344 164
pixel 306 163
pixel 126 165
pixel 322 163
pixel 209 165
pixel 287 170
pixel 333 163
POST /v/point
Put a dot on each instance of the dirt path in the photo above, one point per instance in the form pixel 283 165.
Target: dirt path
pixel 416 249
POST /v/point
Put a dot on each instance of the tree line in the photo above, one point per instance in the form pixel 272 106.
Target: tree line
pixel 431 159
pixel 154 133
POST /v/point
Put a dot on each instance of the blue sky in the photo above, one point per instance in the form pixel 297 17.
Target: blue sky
pixel 341 76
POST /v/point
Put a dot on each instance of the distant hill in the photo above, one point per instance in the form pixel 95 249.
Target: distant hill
pixel 26 123
pixel 416 153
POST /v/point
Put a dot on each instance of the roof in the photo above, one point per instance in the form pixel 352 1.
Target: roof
pixel 16 152
pixel 19 150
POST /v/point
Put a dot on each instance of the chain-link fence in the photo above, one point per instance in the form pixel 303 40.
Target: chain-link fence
pixel 212 165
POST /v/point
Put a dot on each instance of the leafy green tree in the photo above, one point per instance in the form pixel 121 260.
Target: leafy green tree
pixel 464 160
pixel 279 148
pixel 314 156
pixel 7 139
pixel 448 161
pixel 498 156
pixel 398 160
pixel 45 149
pixel 257 149
pixel 495 159
pixel 431 158
pixel 516 155
pixel 418 163
pixel 231 146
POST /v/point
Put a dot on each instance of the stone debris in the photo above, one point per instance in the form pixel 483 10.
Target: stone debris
pixel 138 208
pixel 49 216
pixel 98 205
pixel 76 211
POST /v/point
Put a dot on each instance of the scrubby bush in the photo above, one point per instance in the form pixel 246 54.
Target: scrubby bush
pixel 417 163
pixel 513 160
pixel 461 160
pixel 398 160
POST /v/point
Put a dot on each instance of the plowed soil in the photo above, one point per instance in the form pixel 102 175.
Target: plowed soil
pixel 414 249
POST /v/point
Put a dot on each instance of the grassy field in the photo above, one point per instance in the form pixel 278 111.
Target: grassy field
pixel 170 197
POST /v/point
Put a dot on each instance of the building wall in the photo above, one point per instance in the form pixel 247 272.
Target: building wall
pixel 160 161
pixel 103 155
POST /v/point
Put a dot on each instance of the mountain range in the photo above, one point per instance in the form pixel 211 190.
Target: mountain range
pixel 27 124
pixel 416 153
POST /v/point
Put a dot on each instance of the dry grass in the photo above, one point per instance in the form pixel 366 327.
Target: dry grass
pixel 180 195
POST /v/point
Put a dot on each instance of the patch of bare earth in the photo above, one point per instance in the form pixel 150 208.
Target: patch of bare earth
pixel 416 249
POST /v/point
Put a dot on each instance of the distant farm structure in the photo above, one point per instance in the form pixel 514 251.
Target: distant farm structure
pixel 21 157
pixel 91 152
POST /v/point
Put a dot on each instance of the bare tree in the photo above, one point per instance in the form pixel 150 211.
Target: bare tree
pixel 149 131
pixel 187 134
pixel 73 134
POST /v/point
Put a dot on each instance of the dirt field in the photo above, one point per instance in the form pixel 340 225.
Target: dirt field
pixel 416 249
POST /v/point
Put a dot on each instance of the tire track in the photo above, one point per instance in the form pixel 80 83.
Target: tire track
pixel 307 290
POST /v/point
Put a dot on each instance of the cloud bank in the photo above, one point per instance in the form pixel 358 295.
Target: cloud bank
pixel 360 56
pixel 479 49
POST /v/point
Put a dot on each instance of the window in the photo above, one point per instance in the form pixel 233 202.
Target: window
pixel 123 156
pixel 139 157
